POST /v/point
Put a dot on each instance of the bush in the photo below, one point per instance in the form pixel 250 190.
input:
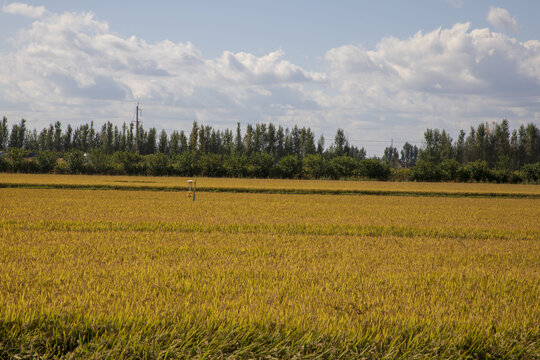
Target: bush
pixel 16 160
pixel 129 163
pixel 289 167
pixel 515 177
pixel 211 165
pixel 426 171
pixel 61 167
pixel 401 174
pixel 158 164
pixel 235 165
pixel 45 161
pixel 75 161
pixel 342 167
pixel 500 176
pixel 99 162
pixel 314 166
pixel 448 170
pixel 373 169
pixel 478 171
pixel 3 164
pixel 531 172
pixel 260 165
pixel 186 164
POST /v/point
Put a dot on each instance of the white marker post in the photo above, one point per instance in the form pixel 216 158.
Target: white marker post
pixel 192 188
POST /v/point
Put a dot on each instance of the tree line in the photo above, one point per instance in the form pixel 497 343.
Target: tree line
pixel 486 153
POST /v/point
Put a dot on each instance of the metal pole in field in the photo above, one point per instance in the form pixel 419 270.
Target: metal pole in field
pixel 194 188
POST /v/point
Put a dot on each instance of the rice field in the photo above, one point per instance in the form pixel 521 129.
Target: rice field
pixel 112 274
pixel 222 184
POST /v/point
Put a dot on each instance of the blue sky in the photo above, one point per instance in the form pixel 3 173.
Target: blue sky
pixel 381 70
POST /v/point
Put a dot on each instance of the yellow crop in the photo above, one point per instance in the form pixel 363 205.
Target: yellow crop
pixel 277 184
pixel 135 274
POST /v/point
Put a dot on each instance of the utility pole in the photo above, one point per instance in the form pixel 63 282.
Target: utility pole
pixel 137 130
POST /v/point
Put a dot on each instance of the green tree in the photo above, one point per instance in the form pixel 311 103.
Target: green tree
pixel 16 160
pixel 260 165
pixel 315 166
pixel 235 165
pixel 186 164
pixel 129 163
pixel 373 169
pixel 99 162
pixel 45 161
pixel 163 145
pixel 158 164
pixel 342 167
pixel 75 160
pixel 289 167
pixel 409 155
pixel 4 133
pixel 211 165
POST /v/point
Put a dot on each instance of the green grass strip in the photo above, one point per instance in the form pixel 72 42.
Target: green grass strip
pixel 457 194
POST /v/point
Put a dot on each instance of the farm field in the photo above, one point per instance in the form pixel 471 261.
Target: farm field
pixel 179 183
pixel 151 274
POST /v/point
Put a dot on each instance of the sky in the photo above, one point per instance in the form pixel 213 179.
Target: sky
pixel 384 71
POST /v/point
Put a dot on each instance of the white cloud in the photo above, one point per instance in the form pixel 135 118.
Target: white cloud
pixel 502 19
pixel 17 8
pixel 441 77
pixel 71 67
pixel 455 3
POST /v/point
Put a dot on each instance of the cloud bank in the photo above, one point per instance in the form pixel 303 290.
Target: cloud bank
pixel 16 8
pixel 71 67
pixel 500 18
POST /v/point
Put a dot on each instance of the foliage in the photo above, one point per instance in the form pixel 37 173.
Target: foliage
pixel 186 164
pixel 159 164
pixel 45 161
pixel 488 153
pixel 75 160
pixel 289 167
pixel 531 172
pixel 314 166
pixel 373 169
pixel 342 166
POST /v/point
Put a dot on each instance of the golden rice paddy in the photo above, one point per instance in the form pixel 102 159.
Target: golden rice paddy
pixel 152 274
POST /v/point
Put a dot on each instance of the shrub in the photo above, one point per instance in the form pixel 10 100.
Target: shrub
pixel 448 170
pixel 46 161
pixel 211 165
pixel 235 165
pixel 16 160
pixel 531 172
pixel 426 171
pixel 342 166
pixel 478 171
pixel 75 161
pixel 99 162
pixel 158 164
pixel 129 163
pixel 289 167
pixel 314 166
pixel 186 164
pixel 373 169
